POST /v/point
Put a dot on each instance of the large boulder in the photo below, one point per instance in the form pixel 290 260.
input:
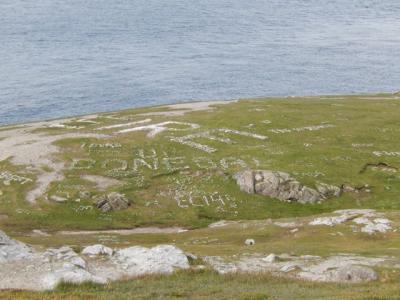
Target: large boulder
pixel 282 186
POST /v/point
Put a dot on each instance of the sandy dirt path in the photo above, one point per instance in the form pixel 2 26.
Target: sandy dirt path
pixel 36 152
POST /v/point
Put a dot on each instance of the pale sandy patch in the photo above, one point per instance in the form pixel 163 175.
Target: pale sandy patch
pixel 141 230
pixel 102 182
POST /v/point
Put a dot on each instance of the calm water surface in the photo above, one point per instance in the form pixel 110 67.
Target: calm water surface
pixel 60 58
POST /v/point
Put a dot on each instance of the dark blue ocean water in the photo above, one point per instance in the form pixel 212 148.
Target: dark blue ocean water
pixel 66 57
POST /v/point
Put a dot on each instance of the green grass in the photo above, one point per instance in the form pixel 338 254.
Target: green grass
pixel 229 240
pixel 330 157
pixel 209 285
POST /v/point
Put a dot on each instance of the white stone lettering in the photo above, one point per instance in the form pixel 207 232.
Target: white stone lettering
pixel 300 129
pixel 115 164
pixel 213 135
pixel 83 164
pixel 8 178
pixel 149 161
pixel 386 153
pixel 155 129
pixel 124 124
pixel 232 161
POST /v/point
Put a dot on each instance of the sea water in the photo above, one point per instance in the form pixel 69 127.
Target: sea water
pixel 67 57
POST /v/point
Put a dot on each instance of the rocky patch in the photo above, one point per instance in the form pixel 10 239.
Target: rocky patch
pixel 21 267
pixel 282 186
pixel 340 268
pixel 381 166
pixel 362 220
pixel 96 250
pixel 12 250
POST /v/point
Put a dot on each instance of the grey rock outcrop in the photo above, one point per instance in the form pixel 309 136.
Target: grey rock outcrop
pixel 328 191
pixel 282 186
pixel 371 222
pixel 270 258
pixel 65 255
pixel 162 259
pixel 343 268
pixel 68 273
pixel 21 267
pixel 112 201
pixel 13 250
pixel 96 250
pixel 356 274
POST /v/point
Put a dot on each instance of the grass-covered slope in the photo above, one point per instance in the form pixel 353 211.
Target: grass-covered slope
pixel 178 170
pixel 176 165
pixel 209 285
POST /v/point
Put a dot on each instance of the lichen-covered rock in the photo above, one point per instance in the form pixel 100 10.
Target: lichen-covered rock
pixel 270 258
pixel 328 190
pixel 96 250
pixel 162 259
pixel 368 218
pixel 68 273
pixel 331 221
pixel 354 274
pixel 13 250
pixel 23 268
pixel 282 186
pixel 343 268
pixel 246 181
pixel 118 201
pixel 65 255
pixel 374 227
pixel 112 201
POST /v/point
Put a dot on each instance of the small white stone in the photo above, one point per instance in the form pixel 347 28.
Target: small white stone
pixel 250 242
